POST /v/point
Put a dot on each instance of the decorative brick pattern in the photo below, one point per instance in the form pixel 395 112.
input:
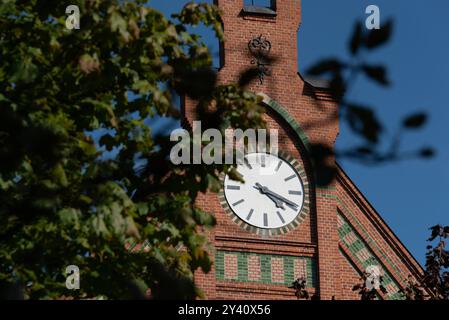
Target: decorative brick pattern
pixel 366 258
pixel 263 268
pixel 300 269
pixel 350 238
pixel 391 288
pixel 399 275
pixel 363 255
pixel 254 273
pixel 230 267
pixel 277 270
pixel 340 221
pixel 288 118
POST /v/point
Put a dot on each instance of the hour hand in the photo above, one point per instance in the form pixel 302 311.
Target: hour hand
pixel 264 190
pixel 261 188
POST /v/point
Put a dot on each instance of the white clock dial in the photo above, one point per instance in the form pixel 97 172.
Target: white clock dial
pixel 272 195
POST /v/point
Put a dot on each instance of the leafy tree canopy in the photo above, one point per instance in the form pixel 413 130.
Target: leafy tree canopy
pixel 61 201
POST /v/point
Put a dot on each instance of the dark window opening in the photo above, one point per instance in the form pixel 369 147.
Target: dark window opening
pixel 261 7
pixel 270 4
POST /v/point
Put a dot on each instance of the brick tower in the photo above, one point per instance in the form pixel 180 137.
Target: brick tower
pixel 337 233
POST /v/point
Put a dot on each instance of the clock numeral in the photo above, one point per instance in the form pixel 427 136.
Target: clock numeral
pixel 250 214
pixel 265 220
pixel 262 161
pixel 233 187
pixel 280 216
pixel 238 202
pixel 295 193
pixel 290 178
pixel 278 166
pixel 248 164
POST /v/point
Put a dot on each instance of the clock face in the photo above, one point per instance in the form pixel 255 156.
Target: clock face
pixel 272 195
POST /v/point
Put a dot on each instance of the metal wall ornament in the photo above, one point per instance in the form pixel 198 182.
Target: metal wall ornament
pixel 260 48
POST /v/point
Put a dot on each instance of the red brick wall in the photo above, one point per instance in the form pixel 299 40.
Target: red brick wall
pixel 286 87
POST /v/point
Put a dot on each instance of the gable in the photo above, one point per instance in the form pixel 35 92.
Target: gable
pixel 365 239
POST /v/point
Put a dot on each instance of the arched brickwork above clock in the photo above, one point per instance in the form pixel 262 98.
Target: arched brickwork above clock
pixel 283 113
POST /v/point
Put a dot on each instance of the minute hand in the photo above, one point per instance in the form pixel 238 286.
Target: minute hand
pixel 279 203
pixel 289 203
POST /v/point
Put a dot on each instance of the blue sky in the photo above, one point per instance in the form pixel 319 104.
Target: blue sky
pixel 411 195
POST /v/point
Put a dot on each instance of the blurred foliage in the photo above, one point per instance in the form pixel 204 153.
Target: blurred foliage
pixel 434 283
pixel 436 275
pixel 362 119
pixel 413 290
pixel 61 201
pixel 300 286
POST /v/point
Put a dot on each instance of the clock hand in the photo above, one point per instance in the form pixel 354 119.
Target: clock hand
pixel 263 190
pixel 279 203
pixel 268 192
pixel 286 201
pixel 292 206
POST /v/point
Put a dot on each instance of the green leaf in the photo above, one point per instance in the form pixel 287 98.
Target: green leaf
pixel 204 218
pixel 427 153
pixel 356 39
pixel 60 176
pixel 3 98
pixel 377 73
pixel 142 208
pixel 5 185
pixel 363 121
pixel 213 183
pixel 87 147
pixel 378 37
pixel 415 121
pixel 89 63
pixel 24 71
pixel 99 225
pixel 70 217
pixel 85 199
pixel 142 86
pixel 119 24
